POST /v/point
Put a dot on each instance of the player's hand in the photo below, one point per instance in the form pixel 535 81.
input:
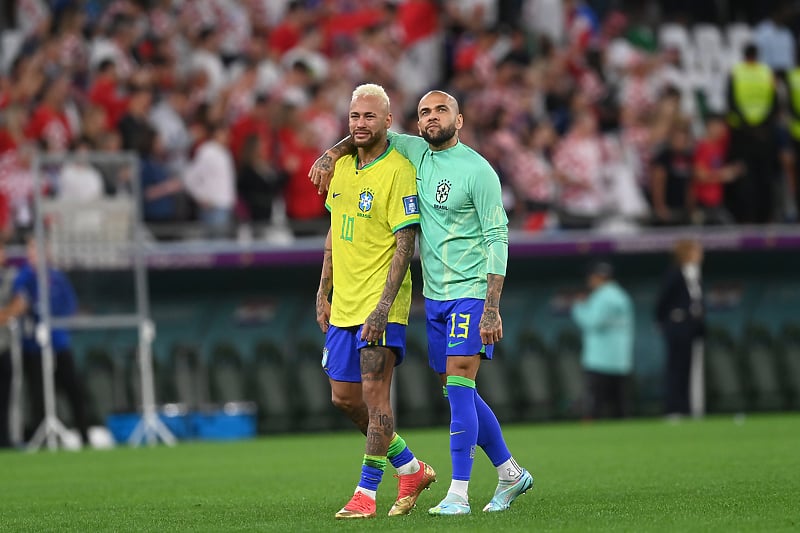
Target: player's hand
pixel 321 172
pixel 323 313
pixel 375 325
pixel 491 326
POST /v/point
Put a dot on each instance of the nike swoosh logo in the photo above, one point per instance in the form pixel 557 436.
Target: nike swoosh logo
pixel 458 432
pixel 453 344
pixel 419 179
pixel 336 194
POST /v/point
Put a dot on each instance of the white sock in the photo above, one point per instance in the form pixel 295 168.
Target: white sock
pixel 411 467
pixel 459 488
pixel 370 493
pixel 509 471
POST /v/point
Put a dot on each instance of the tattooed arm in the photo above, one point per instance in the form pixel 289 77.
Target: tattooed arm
pixel 325 286
pixel 491 324
pixel 321 171
pixel 375 324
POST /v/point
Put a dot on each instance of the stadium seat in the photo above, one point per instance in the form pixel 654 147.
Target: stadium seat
pixel 493 384
pixel 418 389
pixel 313 396
pixel 189 378
pixel 789 340
pixel 724 389
pixel 761 369
pixel 534 378
pixel 269 386
pixel 104 385
pixel 676 36
pixel 738 34
pixel 710 52
pixel 226 374
pixel 568 374
pixel 11 40
pixel 419 398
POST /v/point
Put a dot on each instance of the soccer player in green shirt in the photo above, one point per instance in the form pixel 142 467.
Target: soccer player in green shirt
pixel 464 249
pixel 374 217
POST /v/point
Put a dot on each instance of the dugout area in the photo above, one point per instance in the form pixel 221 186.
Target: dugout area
pixel 249 335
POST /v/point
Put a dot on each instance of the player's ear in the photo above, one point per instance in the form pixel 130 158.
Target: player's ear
pixel 389 121
pixel 459 121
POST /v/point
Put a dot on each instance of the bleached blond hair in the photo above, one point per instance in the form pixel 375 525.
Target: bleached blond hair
pixel 371 89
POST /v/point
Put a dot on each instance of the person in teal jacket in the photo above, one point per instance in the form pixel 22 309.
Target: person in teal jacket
pixel 606 320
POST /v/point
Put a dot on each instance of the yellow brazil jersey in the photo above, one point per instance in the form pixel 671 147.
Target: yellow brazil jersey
pixel 367 207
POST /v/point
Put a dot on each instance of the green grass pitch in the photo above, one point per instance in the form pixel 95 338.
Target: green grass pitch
pixel 719 474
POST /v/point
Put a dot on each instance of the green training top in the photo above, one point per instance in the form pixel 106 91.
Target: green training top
pixel 463 222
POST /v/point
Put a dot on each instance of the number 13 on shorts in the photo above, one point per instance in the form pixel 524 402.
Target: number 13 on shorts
pixel 459 325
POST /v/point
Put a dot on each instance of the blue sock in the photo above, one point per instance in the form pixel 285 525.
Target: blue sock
pixel 370 477
pixel 463 425
pixel 490 436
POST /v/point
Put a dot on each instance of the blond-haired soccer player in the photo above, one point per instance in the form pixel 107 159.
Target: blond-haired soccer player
pixel 464 249
pixel 374 217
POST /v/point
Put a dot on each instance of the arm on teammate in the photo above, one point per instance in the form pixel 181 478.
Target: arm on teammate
pixel 325 286
pixel 321 171
pixel 375 324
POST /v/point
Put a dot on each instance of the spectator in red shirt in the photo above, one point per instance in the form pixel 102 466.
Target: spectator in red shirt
pixel 105 93
pixel 304 207
pixel 287 34
pixel 712 172
pixel 49 124
pixel 12 128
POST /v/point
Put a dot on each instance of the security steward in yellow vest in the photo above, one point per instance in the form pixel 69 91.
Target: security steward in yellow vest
pixel 751 116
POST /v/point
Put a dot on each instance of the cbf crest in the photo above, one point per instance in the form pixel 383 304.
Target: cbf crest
pixel 365 199
pixel 442 191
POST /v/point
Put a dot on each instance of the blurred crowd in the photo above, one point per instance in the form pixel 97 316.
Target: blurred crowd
pixel 227 104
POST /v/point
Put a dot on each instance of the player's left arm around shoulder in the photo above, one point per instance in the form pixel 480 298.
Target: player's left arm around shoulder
pixel 375 324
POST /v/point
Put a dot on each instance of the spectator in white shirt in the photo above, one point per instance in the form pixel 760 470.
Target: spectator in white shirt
pixel 79 180
pixel 211 182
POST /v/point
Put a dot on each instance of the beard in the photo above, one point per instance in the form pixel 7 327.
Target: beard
pixel 368 142
pixel 443 135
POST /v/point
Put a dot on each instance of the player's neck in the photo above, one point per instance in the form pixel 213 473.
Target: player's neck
pixel 369 155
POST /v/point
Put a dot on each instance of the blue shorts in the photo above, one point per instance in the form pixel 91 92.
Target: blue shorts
pixel 341 358
pixel 453 328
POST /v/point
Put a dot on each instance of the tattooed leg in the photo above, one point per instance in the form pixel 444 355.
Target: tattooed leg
pixel 377 365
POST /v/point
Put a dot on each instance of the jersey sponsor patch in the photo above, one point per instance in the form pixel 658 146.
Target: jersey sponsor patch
pixel 410 205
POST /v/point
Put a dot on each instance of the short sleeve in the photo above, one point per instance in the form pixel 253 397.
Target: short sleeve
pixel 403 203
